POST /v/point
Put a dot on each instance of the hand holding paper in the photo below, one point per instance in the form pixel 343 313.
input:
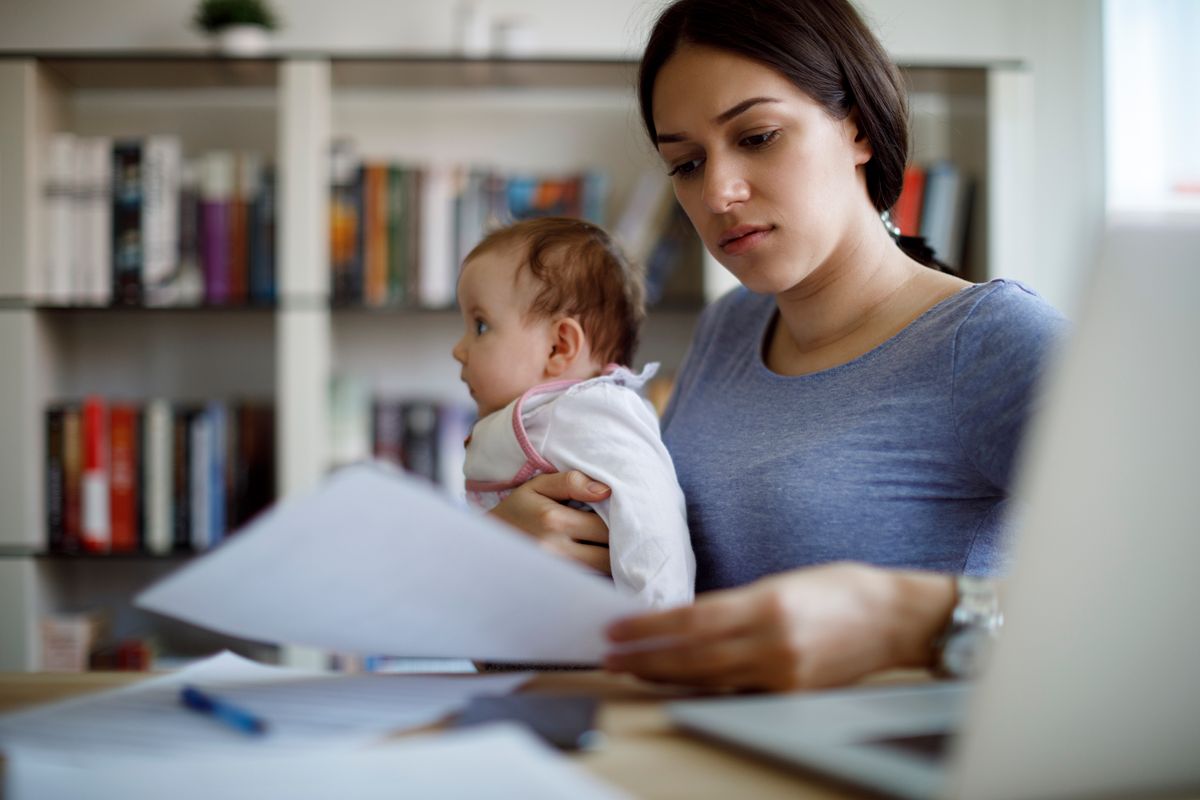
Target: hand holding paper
pixel 373 561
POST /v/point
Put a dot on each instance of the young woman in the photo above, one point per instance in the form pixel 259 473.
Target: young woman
pixel 850 404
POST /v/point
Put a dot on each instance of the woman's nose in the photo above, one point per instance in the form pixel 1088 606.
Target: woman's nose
pixel 724 185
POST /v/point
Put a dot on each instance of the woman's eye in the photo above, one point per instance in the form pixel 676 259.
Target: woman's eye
pixel 481 327
pixel 760 139
pixel 684 169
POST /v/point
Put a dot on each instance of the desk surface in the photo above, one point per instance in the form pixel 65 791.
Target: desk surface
pixel 643 754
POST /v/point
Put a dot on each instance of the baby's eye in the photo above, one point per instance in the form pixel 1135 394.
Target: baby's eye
pixel 481 327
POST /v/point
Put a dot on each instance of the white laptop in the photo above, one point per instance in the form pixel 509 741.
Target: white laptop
pixel 1094 687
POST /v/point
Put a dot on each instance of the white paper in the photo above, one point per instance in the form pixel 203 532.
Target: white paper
pixel 373 561
pixel 300 707
pixel 496 761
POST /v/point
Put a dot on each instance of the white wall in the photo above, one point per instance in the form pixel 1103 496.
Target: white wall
pixel 1060 41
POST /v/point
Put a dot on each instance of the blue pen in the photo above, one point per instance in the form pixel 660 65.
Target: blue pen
pixel 231 715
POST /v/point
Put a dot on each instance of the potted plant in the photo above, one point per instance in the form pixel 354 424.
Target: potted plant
pixel 239 27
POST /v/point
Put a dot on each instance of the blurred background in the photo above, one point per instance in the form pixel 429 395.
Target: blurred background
pixel 227 253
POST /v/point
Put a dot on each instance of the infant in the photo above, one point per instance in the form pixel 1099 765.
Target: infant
pixel 552 313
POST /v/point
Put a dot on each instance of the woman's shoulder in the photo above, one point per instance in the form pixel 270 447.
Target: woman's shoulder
pixel 1004 306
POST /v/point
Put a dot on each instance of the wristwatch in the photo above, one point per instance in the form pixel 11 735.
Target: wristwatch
pixel 962 646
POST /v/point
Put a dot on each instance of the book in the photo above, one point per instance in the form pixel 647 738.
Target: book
pixel 420 437
pixel 438 271
pixel 55 479
pixel 246 179
pixel 181 478
pixel 262 239
pixel 253 457
pixel 216 191
pixel 945 211
pixel 375 254
pixel 58 209
pixel 92 278
pixel 217 416
pixel 72 456
pixel 162 158
pixel 123 489
pixel 157 494
pixel 127 235
pixel 343 220
pixel 97 533
pixel 200 472
pixel 387 430
pixel 907 212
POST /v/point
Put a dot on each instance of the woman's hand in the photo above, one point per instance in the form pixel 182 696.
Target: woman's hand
pixel 534 508
pixel 817 627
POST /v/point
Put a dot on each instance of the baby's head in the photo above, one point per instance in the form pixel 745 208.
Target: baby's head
pixel 545 299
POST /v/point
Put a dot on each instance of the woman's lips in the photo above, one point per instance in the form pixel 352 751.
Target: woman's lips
pixel 743 238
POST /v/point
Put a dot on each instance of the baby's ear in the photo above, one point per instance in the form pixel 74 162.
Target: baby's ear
pixel 567 344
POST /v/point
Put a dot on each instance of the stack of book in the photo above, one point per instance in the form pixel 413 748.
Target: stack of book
pixel 154 478
pixel 935 203
pixel 398 232
pixel 134 222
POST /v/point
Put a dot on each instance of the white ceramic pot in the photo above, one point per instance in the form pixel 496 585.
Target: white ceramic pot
pixel 243 40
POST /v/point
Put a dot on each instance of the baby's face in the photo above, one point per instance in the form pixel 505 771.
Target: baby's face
pixel 502 354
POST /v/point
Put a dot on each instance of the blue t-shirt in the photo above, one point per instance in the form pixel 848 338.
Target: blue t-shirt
pixel 902 457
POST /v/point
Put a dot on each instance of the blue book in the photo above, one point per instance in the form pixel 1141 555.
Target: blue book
pixel 218 426
pixel 262 240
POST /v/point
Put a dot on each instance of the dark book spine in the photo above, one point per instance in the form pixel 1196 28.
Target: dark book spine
pixel 421 439
pixel 124 452
pixel 72 453
pixel 262 240
pixel 388 431
pixel 128 237
pixel 181 479
pixel 55 480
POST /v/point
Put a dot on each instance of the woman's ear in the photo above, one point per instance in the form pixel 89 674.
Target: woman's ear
pixel 859 142
pixel 567 345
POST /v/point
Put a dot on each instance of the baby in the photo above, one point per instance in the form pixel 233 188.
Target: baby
pixel 552 312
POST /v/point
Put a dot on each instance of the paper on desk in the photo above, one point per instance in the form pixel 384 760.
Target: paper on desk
pixel 499 761
pixel 373 561
pixel 301 707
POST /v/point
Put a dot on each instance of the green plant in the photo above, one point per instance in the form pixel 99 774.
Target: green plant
pixel 215 15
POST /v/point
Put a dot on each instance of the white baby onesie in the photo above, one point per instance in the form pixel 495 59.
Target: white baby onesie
pixel 605 429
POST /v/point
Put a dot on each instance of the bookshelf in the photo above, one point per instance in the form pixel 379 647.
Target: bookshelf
pixel 539 114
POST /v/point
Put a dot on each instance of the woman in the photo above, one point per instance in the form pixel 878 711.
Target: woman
pixel 853 406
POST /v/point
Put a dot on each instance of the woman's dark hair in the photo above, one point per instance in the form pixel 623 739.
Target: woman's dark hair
pixel 825 49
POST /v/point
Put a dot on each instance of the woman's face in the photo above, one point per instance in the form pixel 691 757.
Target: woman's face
pixel 772 183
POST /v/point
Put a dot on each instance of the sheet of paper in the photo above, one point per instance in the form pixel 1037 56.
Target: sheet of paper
pixel 374 561
pixel 498 761
pixel 300 706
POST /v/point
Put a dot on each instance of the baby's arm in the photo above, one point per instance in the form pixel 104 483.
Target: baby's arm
pixel 610 434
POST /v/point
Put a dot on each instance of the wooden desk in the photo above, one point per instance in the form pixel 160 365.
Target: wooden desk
pixel 642 753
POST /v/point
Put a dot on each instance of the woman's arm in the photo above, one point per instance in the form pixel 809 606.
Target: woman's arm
pixel 816 627
pixel 536 508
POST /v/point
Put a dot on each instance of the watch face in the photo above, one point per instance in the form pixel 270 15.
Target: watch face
pixel 965 652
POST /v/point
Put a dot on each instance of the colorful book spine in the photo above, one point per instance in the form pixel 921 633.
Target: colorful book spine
pixel 218 448
pixel 245 185
pixel 97 536
pixel 376 255
pixel 123 478
pixel 216 191
pixel 907 213
pixel 201 477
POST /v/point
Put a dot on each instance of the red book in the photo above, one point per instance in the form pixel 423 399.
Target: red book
pixel 907 213
pixel 123 494
pixel 239 249
pixel 96 531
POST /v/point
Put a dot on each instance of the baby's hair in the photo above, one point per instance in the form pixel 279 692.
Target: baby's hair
pixel 582 274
